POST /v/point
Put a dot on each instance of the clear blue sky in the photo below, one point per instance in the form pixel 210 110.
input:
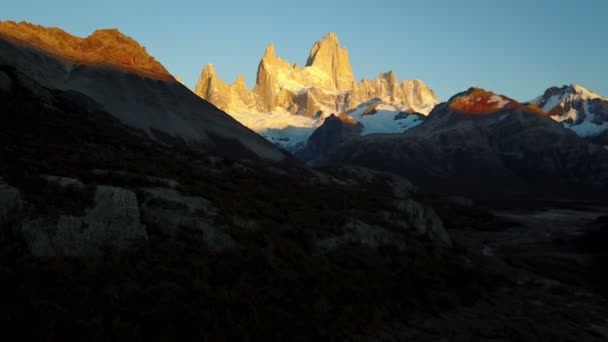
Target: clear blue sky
pixel 517 48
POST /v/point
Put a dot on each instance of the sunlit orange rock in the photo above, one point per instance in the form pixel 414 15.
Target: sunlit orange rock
pixel 103 48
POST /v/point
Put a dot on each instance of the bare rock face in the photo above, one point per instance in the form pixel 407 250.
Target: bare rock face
pixel 414 95
pixel 413 220
pixel 327 56
pixel 113 222
pixel 103 47
pixel 325 85
pixel 265 89
pixel 214 89
pixel 171 211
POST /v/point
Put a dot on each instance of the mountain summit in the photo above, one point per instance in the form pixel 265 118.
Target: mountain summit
pixel 107 47
pixel 577 108
pixel 299 99
pixel 328 56
pixel 324 86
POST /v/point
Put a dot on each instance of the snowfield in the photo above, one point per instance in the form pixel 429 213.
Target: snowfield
pixel 291 132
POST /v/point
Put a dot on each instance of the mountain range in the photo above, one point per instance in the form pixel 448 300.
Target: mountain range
pixel 133 209
pixel 477 142
pixel 288 102
pixel 300 98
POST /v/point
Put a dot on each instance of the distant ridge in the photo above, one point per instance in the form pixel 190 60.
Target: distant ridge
pixel 103 48
pixel 118 73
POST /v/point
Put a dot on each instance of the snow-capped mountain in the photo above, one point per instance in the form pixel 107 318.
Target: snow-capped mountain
pixel 117 72
pixel 579 109
pixel 371 117
pixel 477 141
pixel 288 102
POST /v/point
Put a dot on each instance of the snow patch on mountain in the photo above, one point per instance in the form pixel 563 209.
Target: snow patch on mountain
pixel 379 117
pixel 571 115
pixel 285 130
pixel 588 127
pixel 499 101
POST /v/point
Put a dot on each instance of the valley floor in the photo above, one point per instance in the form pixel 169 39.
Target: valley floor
pixel 555 289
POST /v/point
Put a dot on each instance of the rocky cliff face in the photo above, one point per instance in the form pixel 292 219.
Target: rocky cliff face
pixel 326 85
pixel 329 57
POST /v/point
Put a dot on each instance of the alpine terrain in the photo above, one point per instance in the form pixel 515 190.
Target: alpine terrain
pixel 135 209
pixel 288 101
pixel 477 142
pixel 581 110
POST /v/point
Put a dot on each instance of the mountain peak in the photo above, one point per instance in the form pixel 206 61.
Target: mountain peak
pixel 331 37
pixel 390 77
pixel 480 101
pixel 584 93
pixel 108 47
pixel 328 56
pixel 209 69
pixel 112 33
pixel 269 52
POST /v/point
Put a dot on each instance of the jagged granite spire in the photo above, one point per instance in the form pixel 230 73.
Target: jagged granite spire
pixel 326 84
pixel 328 56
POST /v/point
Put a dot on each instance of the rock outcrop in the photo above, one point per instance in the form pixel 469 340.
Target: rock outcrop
pixel 171 211
pixel 326 85
pixel 233 98
pixel 113 222
pixel 329 57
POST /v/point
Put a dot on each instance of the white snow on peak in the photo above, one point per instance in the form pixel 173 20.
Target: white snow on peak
pixel 291 132
pixel 572 115
pixel 499 101
pixel 584 93
pixel 385 118
pixel 572 93
pixel 384 121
